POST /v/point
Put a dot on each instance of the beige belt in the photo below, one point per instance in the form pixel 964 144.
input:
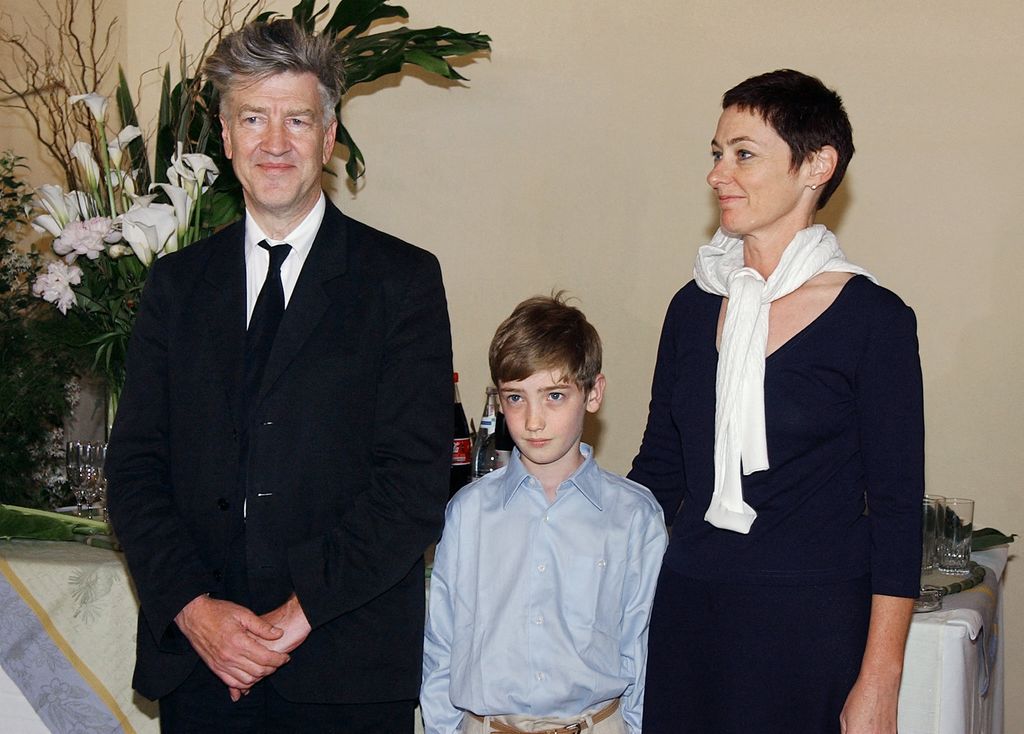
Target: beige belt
pixel 498 727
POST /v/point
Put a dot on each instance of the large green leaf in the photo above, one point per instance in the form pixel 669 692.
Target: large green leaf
pixel 354 166
pixel 355 16
pixel 366 58
pixel 137 148
pixel 165 141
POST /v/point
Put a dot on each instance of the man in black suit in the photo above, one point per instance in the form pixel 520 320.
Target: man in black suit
pixel 280 458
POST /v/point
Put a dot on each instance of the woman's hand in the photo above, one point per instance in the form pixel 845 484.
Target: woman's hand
pixel 870 708
pixel 871 705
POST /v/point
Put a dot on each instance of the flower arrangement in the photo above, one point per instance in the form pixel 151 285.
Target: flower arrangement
pixel 116 215
pixel 108 233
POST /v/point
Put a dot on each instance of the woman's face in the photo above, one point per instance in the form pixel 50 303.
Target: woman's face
pixel 759 195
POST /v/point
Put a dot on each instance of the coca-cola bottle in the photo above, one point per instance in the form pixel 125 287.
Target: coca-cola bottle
pixel 461 445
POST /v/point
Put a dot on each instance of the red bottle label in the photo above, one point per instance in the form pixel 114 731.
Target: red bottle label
pixel 461 449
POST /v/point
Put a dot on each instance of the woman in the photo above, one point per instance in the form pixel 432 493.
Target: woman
pixel 785 438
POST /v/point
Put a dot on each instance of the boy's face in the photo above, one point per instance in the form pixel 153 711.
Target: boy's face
pixel 544 414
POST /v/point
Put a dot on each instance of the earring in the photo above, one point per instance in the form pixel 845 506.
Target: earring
pixel 814 187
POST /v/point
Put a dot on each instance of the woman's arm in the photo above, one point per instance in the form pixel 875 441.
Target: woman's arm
pixel 871 706
pixel 890 404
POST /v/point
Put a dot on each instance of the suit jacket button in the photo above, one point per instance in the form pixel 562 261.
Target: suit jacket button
pixel 217 575
pixel 223 504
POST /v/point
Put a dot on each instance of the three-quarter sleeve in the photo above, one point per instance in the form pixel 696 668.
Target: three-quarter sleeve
pixel 659 463
pixel 890 410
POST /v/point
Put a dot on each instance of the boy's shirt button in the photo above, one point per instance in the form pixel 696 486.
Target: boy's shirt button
pixel 541 567
pixel 602 563
pixel 539 619
pixel 540 676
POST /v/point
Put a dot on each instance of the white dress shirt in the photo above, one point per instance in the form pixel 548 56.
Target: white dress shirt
pixel 541 609
pixel 257 260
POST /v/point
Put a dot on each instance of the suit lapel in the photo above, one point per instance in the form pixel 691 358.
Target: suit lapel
pixel 310 300
pixel 223 304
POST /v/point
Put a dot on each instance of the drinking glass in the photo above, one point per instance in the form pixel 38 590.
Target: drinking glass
pixel 929 598
pixel 934 507
pixel 83 463
pixel 73 464
pixel 955 545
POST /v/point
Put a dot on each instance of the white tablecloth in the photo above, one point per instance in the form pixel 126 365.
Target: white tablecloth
pixel 67 640
pixel 953 667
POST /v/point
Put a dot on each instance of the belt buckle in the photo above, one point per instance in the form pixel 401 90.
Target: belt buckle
pixel 574 728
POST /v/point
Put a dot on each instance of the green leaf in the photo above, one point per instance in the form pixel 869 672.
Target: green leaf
pixel 137 148
pixel 354 166
pixel 165 141
pixel 433 64
pixel 358 15
pixel 985 538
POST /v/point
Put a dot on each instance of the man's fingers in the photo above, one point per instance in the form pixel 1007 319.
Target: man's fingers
pixel 256 652
pixel 261 628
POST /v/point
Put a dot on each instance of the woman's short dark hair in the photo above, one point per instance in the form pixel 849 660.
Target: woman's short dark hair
pixel 804 112
pixel 545 333
pixel 261 49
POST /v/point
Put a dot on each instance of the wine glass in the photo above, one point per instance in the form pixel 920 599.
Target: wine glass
pixel 73 457
pixel 94 480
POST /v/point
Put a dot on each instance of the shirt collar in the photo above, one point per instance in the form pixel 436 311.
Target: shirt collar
pixel 516 475
pixel 301 238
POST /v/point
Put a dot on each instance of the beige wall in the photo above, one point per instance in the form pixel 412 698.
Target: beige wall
pixel 576 156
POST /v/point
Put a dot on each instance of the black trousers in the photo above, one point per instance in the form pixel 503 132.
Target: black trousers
pixel 202 704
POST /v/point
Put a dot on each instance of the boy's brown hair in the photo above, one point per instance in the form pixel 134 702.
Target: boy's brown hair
pixel 545 333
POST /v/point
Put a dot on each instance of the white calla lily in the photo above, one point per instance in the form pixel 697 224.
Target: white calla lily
pixel 182 204
pixel 116 147
pixel 97 104
pixel 193 172
pixel 46 223
pixel 82 152
pixel 54 201
pixel 151 231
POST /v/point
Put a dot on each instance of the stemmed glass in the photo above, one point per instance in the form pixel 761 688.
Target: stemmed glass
pixel 84 464
pixel 95 454
pixel 73 467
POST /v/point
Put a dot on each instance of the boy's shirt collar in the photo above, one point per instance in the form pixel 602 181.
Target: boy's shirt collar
pixel 516 475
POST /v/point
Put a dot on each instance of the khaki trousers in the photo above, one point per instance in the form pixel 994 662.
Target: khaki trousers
pixel 612 725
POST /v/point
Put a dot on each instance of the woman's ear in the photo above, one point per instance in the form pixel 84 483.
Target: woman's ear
pixel 822 165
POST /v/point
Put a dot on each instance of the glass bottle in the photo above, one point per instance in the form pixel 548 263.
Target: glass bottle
pixel 461 445
pixel 503 444
pixel 484 456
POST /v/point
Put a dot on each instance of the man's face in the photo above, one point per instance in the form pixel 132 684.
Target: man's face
pixel 274 134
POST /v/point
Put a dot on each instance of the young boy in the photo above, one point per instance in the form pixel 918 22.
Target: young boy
pixel 543 580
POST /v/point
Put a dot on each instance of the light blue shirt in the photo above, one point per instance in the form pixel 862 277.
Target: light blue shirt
pixel 538 609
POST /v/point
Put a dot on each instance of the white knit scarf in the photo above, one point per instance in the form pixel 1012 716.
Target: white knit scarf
pixel 740 441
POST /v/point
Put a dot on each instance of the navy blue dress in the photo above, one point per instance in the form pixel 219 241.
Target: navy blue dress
pixel 765 631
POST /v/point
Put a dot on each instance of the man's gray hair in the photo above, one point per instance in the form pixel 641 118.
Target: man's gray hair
pixel 259 50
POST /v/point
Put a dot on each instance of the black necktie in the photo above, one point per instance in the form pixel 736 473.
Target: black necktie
pixel 266 317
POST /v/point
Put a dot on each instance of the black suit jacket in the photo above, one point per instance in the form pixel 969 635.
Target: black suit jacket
pixel 349 456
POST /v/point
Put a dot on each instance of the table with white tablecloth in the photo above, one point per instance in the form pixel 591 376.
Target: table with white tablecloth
pixel 953 667
pixel 67 648
pixel 67 640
